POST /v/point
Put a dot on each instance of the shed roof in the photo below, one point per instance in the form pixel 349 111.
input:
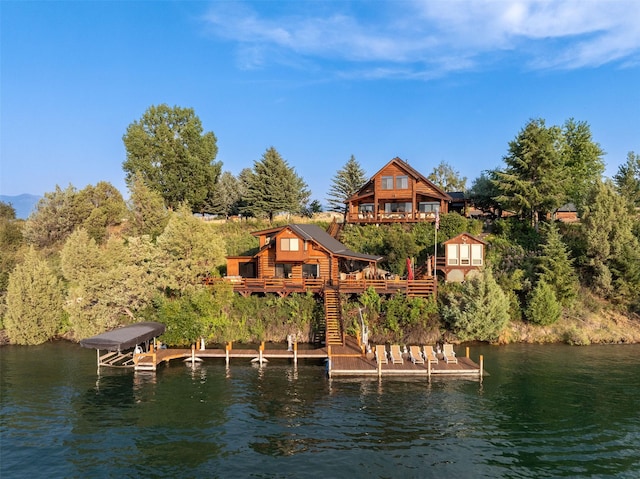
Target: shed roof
pixel 124 338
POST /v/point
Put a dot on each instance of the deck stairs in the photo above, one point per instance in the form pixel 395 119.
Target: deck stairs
pixel 332 314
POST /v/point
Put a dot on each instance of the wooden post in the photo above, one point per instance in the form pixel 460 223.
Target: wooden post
pixel 98 353
pixel 295 352
pixel 428 370
pixel 379 368
pixel 193 354
pixel 226 353
pixel 481 366
pixel 467 352
pixel 261 352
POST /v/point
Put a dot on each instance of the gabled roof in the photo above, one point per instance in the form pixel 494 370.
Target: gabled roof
pixel 411 171
pixel 310 232
pixel 475 238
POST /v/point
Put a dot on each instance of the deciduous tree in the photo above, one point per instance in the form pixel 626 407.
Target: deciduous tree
pixel 447 178
pixel 168 148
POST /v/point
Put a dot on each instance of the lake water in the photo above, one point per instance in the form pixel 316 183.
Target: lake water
pixel 544 411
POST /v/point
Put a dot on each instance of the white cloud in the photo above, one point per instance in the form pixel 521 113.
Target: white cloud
pixel 426 38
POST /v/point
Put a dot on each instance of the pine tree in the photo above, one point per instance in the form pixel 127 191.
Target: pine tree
pixel 543 308
pixel 534 179
pixel 274 187
pixel 627 180
pixel 147 213
pixel 478 311
pixel 34 301
pixel 345 183
pixel 556 267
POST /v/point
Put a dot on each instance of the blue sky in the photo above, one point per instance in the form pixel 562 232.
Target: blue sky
pixel 427 81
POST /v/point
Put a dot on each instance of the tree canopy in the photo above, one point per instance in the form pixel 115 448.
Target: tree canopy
pixel 273 187
pixel 447 178
pixel 168 147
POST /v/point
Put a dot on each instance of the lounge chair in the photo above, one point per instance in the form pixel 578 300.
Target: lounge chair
pixel 396 354
pixel 415 355
pixel 381 354
pixel 449 354
pixel 430 355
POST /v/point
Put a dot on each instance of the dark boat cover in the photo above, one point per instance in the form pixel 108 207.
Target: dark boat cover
pixel 124 338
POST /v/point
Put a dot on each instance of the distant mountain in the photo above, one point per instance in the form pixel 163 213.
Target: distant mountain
pixel 23 204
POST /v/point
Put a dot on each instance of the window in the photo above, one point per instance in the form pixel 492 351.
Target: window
pixel 310 270
pixel 283 270
pixel 289 244
pixel 452 254
pixel 366 208
pixel 476 254
pixel 387 183
pixel 397 207
pixel 402 182
pixel 429 206
pixel 464 255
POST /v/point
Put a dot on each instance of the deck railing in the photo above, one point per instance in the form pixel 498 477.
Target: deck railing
pixel 421 287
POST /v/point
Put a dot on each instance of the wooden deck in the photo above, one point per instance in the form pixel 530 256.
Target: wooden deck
pixel 340 360
pixel 284 287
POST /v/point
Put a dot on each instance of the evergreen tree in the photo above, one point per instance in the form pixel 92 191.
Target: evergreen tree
pixel 612 252
pixel 56 215
pixel 226 196
pixel 627 180
pixel 189 250
pixel 476 310
pixel 34 301
pixel 582 159
pixel 556 267
pixel 346 182
pixel 109 284
pixel 483 193
pixel 534 180
pixel 11 242
pixel 445 177
pixel 274 187
pixel 543 308
pixel 147 213
pixel 103 207
pixel 173 155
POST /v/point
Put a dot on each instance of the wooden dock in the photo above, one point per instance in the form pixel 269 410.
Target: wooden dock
pixel 348 360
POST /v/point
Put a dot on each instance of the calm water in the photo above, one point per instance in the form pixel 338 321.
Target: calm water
pixel 544 411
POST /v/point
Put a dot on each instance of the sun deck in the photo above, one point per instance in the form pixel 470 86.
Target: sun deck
pixel 348 360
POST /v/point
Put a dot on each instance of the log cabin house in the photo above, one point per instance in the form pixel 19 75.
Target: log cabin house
pixel 397 193
pixel 300 258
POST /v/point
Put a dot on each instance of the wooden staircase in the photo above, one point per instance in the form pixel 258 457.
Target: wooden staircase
pixel 332 314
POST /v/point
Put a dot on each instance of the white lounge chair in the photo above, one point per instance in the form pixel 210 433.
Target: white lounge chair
pixel 430 355
pixel 415 355
pixel 381 354
pixel 396 354
pixel 449 354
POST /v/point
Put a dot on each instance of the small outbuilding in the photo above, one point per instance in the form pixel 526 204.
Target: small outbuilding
pixel 463 254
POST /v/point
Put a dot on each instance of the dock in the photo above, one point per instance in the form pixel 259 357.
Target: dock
pixel 347 360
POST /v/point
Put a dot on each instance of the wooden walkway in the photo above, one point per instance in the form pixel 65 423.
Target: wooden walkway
pixel 341 361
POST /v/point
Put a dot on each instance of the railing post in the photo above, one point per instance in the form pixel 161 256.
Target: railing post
pixel 467 352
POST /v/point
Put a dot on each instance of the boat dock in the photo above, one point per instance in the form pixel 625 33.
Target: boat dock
pixel 348 360
pixel 121 348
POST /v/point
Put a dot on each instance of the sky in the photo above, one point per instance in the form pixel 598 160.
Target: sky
pixel 436 81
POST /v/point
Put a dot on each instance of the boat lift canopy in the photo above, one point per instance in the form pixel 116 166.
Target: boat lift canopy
pixel 124 338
